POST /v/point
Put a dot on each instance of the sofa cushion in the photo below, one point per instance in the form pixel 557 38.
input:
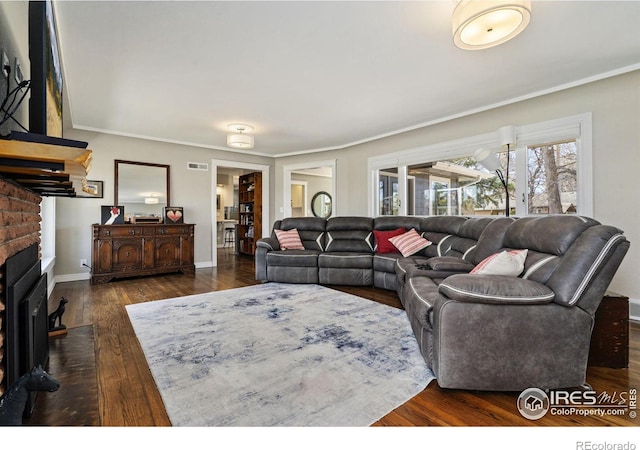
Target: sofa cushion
pixel 310 229
pixel 410 242
pixel 440 230
pixel 447 263
pixel 464 242
pixel 349 234
pixel 560 231
pixel 386 262
pixel 507 262
pixel 498 289
pixel 345 260
pixel 382 240
pixel 491 240
pixel 293 258
pixel 289 240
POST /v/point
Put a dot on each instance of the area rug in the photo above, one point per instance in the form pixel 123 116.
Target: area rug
pixel 279 355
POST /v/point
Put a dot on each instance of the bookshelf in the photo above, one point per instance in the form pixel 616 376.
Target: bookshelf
pixel 250 214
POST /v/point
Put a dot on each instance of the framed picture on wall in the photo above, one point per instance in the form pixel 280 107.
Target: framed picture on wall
pixel 92 189
pixel 173 214
pixel 112 215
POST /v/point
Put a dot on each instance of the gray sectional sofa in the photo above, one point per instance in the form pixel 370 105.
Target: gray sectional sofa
pixel 475 331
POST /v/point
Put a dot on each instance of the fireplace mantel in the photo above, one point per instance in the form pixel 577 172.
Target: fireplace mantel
pixel 49 170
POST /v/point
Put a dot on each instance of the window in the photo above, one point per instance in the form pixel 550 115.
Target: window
pixel 550 172
pixel 551 178
pixel 455 187
pixel 388 195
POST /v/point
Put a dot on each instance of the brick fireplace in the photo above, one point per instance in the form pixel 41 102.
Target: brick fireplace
pixel 19 231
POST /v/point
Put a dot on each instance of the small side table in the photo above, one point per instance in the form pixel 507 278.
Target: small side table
pixel 610 336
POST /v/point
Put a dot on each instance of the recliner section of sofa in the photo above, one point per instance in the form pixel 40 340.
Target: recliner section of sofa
pixel 348 252
pixel 292 266
pixel 507 333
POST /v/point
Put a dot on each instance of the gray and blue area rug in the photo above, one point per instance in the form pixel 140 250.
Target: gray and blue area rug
pixel 279 355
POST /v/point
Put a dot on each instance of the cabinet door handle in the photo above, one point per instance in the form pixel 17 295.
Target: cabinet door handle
pixel 132 231
pixel 108 233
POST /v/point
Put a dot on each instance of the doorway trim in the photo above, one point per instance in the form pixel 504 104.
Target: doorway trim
pixel 215 163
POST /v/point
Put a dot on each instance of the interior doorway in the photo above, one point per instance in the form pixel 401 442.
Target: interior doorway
pixel 225 177
pixel 319 176
pixel 299 199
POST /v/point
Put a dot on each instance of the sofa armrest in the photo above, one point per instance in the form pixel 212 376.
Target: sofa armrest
pixel 495 289
pixel 269 243
pixel 448 264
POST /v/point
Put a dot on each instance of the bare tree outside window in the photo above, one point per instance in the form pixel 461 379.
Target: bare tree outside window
pixel 552 178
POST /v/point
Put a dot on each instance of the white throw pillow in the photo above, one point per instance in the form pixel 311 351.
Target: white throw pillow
pixel 508 262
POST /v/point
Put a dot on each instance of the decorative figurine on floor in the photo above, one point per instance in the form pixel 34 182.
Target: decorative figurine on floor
pixel 13 402
pixel 57 316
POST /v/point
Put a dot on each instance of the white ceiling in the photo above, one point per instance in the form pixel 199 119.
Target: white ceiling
pixel 313 76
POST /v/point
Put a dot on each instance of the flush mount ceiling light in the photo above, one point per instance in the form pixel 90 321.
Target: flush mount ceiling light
pixel 483 24
pixel 239 139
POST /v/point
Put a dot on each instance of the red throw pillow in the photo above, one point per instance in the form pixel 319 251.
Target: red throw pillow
pixel 382 240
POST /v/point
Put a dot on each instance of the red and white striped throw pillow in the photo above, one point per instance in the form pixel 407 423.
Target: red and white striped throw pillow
pixel 289 240
pixel 409 243
pixel 508 262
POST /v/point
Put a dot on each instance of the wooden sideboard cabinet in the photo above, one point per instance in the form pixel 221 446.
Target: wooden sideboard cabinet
pixel 610 335
pixel 130 250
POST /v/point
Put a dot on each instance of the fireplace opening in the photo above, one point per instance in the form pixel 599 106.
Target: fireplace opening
pixel 26 329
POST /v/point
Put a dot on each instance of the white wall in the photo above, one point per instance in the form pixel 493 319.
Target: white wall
pixel 615 107
pixel 190 189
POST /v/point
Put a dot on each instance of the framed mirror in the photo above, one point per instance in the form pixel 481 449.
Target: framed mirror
pixel 321 204
pixel 142 188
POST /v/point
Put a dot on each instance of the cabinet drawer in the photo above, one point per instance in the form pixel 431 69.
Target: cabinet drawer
pixel 164 230
pixel 120 231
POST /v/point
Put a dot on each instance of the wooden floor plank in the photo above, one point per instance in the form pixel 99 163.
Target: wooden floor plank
pixel 104 346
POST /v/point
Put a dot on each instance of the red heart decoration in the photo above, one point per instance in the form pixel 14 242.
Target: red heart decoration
pixel 174 216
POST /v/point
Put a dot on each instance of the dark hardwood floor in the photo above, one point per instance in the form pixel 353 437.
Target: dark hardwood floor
pixel 105 380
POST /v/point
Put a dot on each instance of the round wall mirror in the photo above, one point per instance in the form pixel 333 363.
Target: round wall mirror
pixel 321 204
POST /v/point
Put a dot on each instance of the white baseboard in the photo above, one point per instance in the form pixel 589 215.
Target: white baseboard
pixel 204 264
pixel 87 276
pixel 73 277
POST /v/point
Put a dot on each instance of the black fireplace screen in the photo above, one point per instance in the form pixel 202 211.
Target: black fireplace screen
pixel 26 332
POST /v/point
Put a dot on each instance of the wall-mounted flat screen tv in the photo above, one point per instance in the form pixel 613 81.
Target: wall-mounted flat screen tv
pixel 45 104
